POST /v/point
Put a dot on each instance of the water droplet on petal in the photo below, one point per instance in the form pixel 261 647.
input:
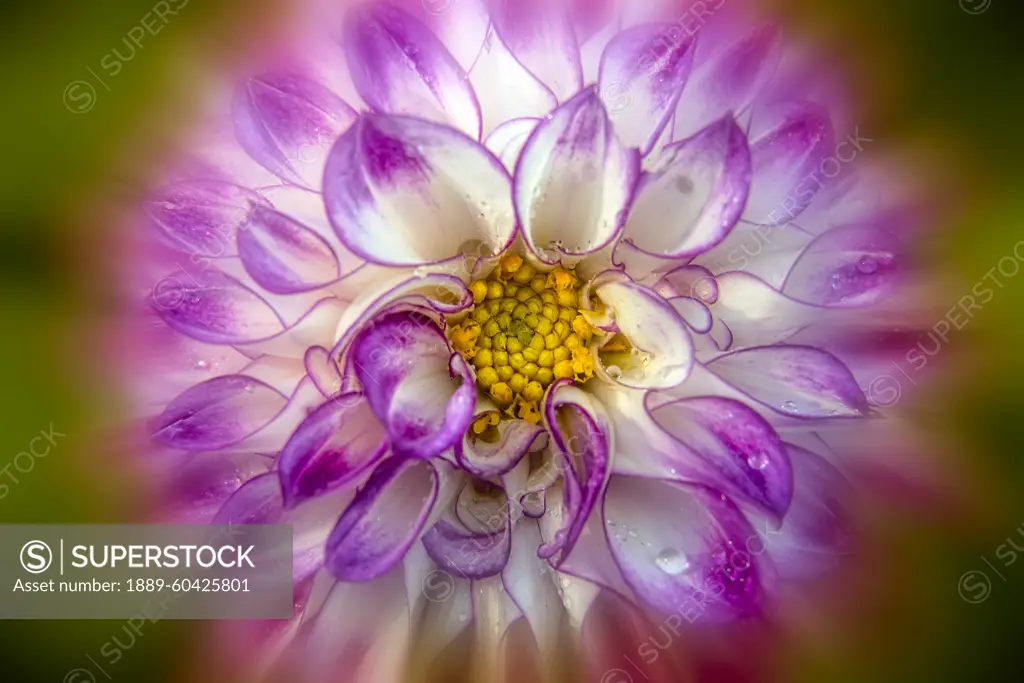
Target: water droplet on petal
pixel 867 265
pixel 672 561
pixel 789 407
pixel 758 461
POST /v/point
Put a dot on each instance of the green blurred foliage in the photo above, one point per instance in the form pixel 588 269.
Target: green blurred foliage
pixel 943 80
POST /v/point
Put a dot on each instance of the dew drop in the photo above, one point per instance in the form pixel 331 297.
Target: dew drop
pixel 614 371
pixel 672 562
pixel 789 407
pixel 202 365
pixel 867 265
pixel 758 461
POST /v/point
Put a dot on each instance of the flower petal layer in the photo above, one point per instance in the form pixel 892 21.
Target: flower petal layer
pixel 403 191
pixel 422 392
pixel 283 256
pixel 384 519
pixel 699 186
pixel 574 181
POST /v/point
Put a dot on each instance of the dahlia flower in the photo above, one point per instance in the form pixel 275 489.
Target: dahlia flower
pixel 507 306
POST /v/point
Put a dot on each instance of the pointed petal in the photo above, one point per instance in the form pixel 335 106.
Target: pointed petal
pixel 215 308
pixel 283 256
pixel 217 413
pixel 287 123
pixel 785 159
pixel 505 88
pixel 729 81
pixel 582 434
pixel 202 217
pixel 333 446
pixel 402 191
pixel 541 37
pixel 680 548
pixel 799 381
pixel 847 266
pixel 653 80
pixel 739 452
pixel 399 66
pixel 574 181
pixel 701 185
pixel 508 139
pixel 422 392
pixel 655 330
pixel 383 520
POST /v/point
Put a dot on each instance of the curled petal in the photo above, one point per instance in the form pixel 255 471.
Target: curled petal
pixel 215 308
pixel 403 191
pixel 739 452
pixel 384 519
pixel 399 66
pixel 486 457
pixel 799 381
pixel 422 392
pixel 217 413
pixel 202 217
pixel 583 436
pixel 847 266
pixel 784 160
pixel 470 554
pixel 324 372
pixel 283 256
pixel 700 185
pixel 695 313
pixel 331 448
pixel 287 123
pixel 574 181
pixel 681 548
pixel 651 80
pixel 695 282
pixel 662 355
pixel 541 37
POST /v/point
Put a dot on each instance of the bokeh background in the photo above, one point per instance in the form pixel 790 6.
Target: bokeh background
pixel 943 79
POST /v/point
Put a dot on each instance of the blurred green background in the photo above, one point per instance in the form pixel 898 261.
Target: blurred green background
pixel 943 81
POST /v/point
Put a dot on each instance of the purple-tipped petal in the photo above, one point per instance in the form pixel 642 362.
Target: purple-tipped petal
pixel 423 393
pixel 399 66
pixel 403 191
pixel 540 35
pixel 740 453
pixel 324 372
pixel 331 448
pixel 287 123
pixel 800 381
pixel 650 78
pixel 202 217
pixel 283 256
pixel 574 181
pixel 217 413
pixel 697 316
pixel 259 501
pixel 203 485
pixel 383 520
pixel 729 81
pixel 786 164
pixel 695 282
pixel 484 458
pixel 848 266
pixel 508 139
pixel 583 437
pixel 468 554
pixel 658 334
pixel 683 548
pixel 215 308
pixel 816 535
pixel 694 193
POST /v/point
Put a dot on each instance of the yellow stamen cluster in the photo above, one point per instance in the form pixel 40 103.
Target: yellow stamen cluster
pixel 524 332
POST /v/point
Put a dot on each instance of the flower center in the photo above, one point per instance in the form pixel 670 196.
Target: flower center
pixel 525 331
